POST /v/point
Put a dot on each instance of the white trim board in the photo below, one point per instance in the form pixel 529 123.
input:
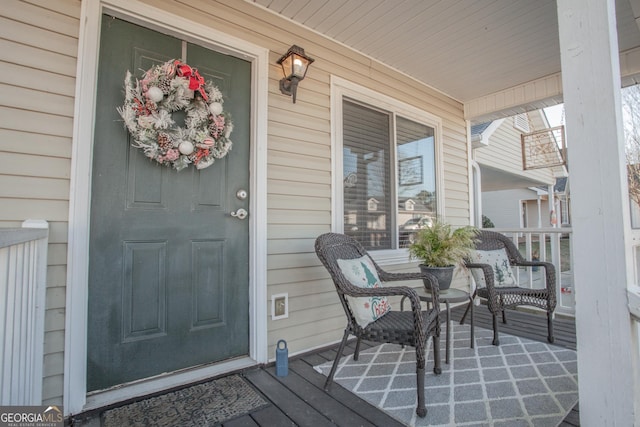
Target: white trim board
pixel 75 398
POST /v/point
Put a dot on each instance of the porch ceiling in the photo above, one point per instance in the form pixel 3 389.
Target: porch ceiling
pixel 466 49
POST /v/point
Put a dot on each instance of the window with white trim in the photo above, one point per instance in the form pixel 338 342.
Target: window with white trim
pixel 388 168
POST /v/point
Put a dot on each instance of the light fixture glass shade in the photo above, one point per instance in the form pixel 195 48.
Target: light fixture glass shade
pixel 294 63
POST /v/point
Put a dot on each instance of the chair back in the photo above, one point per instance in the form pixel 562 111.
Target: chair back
pixel 491 240
pixel 330 247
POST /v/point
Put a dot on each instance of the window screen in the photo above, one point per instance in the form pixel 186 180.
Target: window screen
pixel 389 176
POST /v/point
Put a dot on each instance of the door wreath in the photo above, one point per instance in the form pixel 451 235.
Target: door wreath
pixel 148 110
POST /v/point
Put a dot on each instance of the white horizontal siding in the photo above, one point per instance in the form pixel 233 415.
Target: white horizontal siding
pixel 28 187
pixel 38 49
pixel 33 36
pixel 37 100
pixel 39 80
pixel 32 165
pixel 56 16
pixel 25 142
pixel 33 57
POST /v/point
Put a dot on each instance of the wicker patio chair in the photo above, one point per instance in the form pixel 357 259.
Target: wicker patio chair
pixel 500 299
pixel 410 328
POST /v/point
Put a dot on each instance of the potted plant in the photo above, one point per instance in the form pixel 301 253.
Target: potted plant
pixel 441 248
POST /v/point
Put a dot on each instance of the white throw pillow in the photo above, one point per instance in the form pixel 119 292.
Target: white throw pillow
pixel 498 260
pixel 362 273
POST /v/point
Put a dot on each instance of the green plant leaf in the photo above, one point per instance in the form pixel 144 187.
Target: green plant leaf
pixel 441 246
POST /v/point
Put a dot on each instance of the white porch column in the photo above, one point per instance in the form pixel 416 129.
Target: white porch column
pixel 539 211
pixel 552 207
pixel 476 178
pixel 600 213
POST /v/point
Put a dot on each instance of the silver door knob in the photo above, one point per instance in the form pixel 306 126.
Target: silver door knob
pixel 240 214
pixel 241 194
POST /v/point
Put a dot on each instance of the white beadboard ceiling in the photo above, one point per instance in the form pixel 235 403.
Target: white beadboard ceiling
pixel 464 48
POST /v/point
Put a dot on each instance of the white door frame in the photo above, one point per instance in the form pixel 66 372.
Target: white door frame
pixel 75 355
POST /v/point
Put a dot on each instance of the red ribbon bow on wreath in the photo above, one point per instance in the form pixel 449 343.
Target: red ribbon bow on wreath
pixel 196 81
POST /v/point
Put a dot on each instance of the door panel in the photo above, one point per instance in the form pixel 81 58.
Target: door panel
pixel 169 270
pixel 147 189
pixel 208 270
pixel 144 290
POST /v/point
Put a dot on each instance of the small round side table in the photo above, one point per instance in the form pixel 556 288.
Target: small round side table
pixel 447 297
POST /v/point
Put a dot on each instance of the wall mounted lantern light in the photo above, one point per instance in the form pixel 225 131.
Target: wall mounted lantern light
pixel 294 67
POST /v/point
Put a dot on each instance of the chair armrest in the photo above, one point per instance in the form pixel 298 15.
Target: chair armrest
pixel 550 272
pixel 425 277
pixel 381 291
pixel 385 276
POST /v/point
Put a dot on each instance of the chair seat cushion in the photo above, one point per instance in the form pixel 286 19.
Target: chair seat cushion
pixel 362 273
pixel 499 262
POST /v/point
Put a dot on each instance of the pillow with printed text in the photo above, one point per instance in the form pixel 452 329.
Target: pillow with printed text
pixel 362 273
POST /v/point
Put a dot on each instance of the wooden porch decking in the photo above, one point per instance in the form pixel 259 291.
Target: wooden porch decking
pixel 299 399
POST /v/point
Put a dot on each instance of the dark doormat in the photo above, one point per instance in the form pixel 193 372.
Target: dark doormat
pixel 200 405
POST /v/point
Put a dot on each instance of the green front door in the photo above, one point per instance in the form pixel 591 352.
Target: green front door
pixel 169 265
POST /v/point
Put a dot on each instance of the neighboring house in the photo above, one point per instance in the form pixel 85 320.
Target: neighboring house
pixel 561 215
pixel 562 191
pixel 511 196
pixel 528 207
pixel 157 278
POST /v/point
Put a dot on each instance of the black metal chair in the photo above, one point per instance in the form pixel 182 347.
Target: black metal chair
pixel 500 299
pixel 398 327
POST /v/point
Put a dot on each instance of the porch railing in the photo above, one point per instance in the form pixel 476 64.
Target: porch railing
pixel 546 244
pixel 23 271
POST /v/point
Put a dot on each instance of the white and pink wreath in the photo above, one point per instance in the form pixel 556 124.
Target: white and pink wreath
pixel 150 103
